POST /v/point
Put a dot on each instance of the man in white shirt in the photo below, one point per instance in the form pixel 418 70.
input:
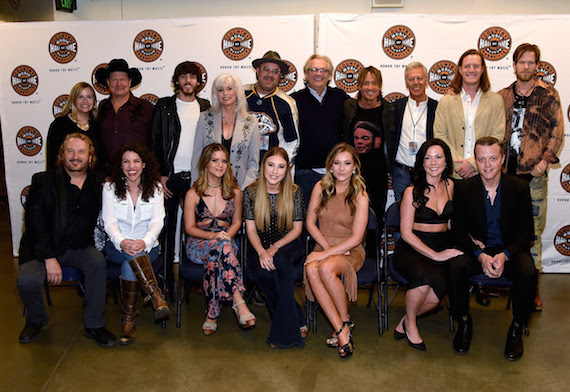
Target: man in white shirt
pixel 173 130
pixel 471 111
pixel 414 125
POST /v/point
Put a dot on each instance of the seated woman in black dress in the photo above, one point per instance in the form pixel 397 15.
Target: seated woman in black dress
pixel 424 252
pixel 274 212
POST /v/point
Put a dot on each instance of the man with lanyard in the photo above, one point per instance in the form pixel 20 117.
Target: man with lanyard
pixel 173 129
pixel 414 125
pixel 276 111
pixel 535 131
pixel 470 113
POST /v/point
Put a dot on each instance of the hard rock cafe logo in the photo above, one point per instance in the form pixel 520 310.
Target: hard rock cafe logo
pixel 494 43
pixel 58 104
pixel 441 74
pixel 562 241
pixel 346 75
pixel 237 44
pixel 204 77
pixel 393 97
pixel 63 47
pixel 24 196
pixel 398 42
pixel 29 141
pixel 288 80
pixel 148 46
pixel 150 98
pixel 100 89
pixel 546 72
pixel 565 178
pixel 24 80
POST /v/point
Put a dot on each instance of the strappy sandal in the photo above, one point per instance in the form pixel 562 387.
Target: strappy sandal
pixel 209 328
pixel 332 341
pixel 346 350
pixel 304 330
pixel 246 321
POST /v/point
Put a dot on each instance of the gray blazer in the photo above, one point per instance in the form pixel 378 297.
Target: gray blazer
pixel 244 154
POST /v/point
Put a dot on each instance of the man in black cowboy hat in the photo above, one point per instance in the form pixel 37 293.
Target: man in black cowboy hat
pixel 124 118
pixel 276 111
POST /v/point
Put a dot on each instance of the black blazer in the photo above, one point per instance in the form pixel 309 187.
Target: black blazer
pixel 46 213
pixel 393 137
pixel 470 218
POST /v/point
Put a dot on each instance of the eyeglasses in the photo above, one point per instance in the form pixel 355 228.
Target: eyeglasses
pixel 317 70
pixel 418 78
pixel 274 71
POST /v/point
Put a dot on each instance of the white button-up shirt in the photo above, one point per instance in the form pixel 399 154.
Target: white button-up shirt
pixel 123 220
pixel 414 125
pixel 470 111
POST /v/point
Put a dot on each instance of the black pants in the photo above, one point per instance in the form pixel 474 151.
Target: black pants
pixel 90 261
pixel 178 184
pixel 278 287
pixel 519 269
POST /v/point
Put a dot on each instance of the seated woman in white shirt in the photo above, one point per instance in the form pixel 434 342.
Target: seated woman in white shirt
pixel 133 216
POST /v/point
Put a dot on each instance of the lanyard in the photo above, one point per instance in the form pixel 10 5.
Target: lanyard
pixel 412 118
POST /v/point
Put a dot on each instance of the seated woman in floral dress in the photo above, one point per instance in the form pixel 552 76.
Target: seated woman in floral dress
pixel 212 218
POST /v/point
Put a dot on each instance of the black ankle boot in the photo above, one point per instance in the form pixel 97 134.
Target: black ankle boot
pixel 514 345
pixel 462 339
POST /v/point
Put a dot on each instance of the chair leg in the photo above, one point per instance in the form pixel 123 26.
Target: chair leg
pixel 46 289
pixel 178 302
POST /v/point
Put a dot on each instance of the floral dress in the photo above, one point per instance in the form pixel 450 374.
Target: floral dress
pixel 222 272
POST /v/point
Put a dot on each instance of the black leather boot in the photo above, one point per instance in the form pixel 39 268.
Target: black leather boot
pixel 514 345
pixel 462 339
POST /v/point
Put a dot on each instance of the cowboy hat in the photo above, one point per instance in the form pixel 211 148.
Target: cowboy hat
pixel 118 65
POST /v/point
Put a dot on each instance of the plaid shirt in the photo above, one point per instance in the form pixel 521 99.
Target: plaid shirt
pixel 543 126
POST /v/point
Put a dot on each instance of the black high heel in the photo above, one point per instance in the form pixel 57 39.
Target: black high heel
pixel 332 341
pixel 346 350
pixel 418 346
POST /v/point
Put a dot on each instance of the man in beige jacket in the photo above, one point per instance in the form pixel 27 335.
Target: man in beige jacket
pixel 470 112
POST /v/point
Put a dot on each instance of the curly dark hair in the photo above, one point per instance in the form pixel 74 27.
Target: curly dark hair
pixel 150 177
pixel 419 173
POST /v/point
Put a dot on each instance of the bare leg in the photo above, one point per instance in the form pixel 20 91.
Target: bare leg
pixel 242 308
pixel 418 301
pixel 329 291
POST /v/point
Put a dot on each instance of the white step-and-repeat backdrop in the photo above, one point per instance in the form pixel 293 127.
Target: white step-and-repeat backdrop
pixel 44 60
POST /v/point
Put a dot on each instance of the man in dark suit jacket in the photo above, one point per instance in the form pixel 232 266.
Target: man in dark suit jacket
pixel 414 125
pixel 493 220
pixel 61 212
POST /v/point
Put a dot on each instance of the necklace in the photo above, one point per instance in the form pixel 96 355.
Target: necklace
pixel 526 93
pixel 83 127
pixel 214 185
pixel 231 120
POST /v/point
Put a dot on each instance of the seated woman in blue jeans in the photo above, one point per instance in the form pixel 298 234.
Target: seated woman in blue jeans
pixel 133 216
pixel 273 210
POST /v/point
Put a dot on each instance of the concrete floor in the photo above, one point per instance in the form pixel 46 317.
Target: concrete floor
pixel 173 359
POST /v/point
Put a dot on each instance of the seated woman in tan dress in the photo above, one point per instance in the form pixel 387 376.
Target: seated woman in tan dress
pixel 340 205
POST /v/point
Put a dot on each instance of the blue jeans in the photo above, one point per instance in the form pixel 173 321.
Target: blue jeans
pixel 120 257
pixel 306 179
pixel 400 180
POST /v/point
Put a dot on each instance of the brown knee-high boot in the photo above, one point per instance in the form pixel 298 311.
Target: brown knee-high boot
pixel 145 275
pixel 130 293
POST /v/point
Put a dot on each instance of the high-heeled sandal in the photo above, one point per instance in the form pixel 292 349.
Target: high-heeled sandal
pixel 346 350
pixel 246 321
pixel 209 328
pixel 304 331
pixel 332 341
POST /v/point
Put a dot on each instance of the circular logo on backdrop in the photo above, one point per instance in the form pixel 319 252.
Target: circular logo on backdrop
pixel 289 80
pixel 494 43
pixel 546 72
pixel 148 46
pixel 565 178
pixel 398 42
pixel 24 80
pixel 392 97
pixel 62 47
pixel 346 75
pixel 441 74
pixel 58 104
pixel 150 98
pixel 562 241
pixel 237 44
pixel 100 89
pixel 204 79
pixel 29 141
pixel 24 196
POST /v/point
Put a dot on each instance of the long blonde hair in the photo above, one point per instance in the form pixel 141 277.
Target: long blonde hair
pixel 229 182
pixel 73 94
pixel 285 203
pixel 328 183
